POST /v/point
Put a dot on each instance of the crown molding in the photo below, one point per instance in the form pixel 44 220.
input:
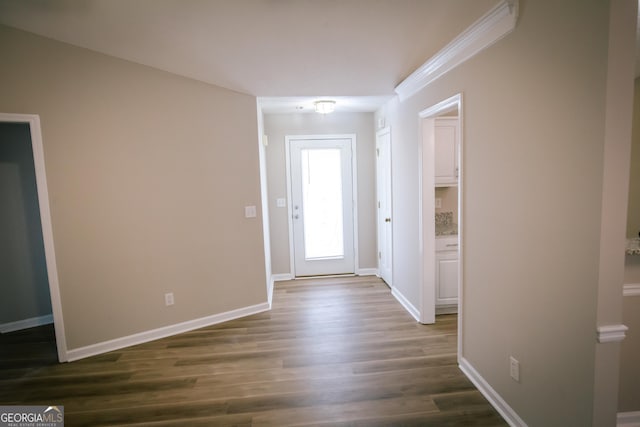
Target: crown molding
pixel 611 333
pixel 487 30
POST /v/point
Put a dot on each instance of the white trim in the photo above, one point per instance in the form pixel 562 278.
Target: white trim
pixel 281 277
pixel 367 272
pixel 354 191
pixel 446 309
pixel 270 286
pixel 354 204
pixel 287 159
pixel 264 203
pixel 628 419
pixel 487 30
pixel 631 290
pixel 506 411
pixel 32 322
pixel 414 312
pixel 154 334
pixel 47 229
pixel 611 333
pixel 443 106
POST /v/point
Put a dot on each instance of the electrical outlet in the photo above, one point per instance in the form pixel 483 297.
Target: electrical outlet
pixel 438 202
pixel 168 299
pixel 514 368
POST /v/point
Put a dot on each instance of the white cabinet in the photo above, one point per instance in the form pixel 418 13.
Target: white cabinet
pixel 447 271
pixel 446 137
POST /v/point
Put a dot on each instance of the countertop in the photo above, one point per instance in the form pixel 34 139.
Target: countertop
pixel 633 246
pixel 452 230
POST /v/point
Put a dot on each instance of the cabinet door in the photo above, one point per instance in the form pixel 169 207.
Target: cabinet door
pixel 446 278
pixel 446 151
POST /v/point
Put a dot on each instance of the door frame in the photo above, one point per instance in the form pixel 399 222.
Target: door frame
pixel 427 212
pixel 379 225
pixel 354 180
pixel 33 121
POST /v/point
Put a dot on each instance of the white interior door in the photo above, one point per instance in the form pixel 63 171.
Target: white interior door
pixel 322 206
pixel 385 229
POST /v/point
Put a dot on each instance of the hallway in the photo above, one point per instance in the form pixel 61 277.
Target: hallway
pixel 334 351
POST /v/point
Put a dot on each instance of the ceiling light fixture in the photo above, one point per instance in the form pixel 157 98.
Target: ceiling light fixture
pixel 325 106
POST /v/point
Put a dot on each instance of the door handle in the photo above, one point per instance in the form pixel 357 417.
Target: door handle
pixel 387 220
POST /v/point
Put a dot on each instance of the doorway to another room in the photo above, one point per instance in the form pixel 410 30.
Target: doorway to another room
pixel 28 276
pixel 441 210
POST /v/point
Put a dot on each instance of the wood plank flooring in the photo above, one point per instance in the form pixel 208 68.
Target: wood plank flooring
pixel 335 351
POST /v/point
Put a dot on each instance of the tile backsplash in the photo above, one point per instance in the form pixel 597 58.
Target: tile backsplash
pixel 444 219
pixel 449 200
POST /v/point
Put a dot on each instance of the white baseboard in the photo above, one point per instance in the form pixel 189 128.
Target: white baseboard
pixel 507 412
pixel 367 272
pixel 628 419
pixel 282 277
pixel 154 334
pixel 26 323
pixel 270 287
pixel 447 309
pixel 406 304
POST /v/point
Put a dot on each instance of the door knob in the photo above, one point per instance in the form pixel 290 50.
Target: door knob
pixel 387 220
pixel 295 217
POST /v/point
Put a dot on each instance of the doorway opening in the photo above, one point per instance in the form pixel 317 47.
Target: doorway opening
pixel 22 164
pixel 322 189
pixel 441 211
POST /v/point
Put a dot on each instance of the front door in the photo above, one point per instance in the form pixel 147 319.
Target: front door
pixel 322 205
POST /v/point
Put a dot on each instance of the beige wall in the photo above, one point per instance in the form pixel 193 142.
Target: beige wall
pixel 24 288
pixel 533 120
pixel 148 176
pixel 277 126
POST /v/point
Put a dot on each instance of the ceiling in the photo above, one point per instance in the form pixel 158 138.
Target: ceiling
pixel 291 52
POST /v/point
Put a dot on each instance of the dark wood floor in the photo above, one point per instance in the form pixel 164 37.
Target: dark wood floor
pixel 338 352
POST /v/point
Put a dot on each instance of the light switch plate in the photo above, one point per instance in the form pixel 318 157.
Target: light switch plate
pixel 249 211
pixel 438 202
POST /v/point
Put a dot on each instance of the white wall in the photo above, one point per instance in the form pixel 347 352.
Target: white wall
pixel 534 120
pixel 148 176
pixel 277 126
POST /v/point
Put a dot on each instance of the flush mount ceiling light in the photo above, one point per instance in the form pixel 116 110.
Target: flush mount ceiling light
pixel 325 106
